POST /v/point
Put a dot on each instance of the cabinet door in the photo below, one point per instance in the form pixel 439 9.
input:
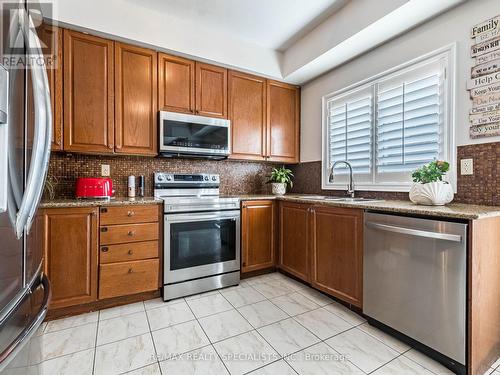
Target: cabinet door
pixel 247 112
pixel 294 239
pixel 71 252
pixel 337 252
pixel 136 124
pixel 257 241
pixel 51 36
pixel 283 119
pixel 211 90
pixel 175 84
pixel 88 93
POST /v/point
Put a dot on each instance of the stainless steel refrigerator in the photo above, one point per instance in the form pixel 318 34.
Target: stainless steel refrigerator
pixel 25 139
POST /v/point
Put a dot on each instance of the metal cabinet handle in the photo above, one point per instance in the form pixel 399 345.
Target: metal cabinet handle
pixel 130 233
pixel 130 252
pixel 415 232
pixel 104 210
pixel 130 213
pixel 104 229
pixel 104 249
pixel 130 270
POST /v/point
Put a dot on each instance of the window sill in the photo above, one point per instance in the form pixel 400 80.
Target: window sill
pixel 369 187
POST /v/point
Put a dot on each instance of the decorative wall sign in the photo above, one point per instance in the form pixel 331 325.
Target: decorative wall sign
pixel 480 101
pixel 489 130
pixel 484 83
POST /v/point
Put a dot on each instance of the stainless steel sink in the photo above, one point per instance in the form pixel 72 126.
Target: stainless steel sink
pixel 352 200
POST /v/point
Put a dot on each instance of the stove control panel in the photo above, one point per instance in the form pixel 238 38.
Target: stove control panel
pixel 198 179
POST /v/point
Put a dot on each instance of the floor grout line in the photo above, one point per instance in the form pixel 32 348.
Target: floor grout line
pixel 95 343
pixel 152 338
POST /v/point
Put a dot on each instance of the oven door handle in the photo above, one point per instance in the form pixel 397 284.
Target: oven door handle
pixel 202 217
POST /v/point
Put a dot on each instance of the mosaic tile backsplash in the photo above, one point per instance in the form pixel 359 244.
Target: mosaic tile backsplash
pixel 237 177
pixel 483 187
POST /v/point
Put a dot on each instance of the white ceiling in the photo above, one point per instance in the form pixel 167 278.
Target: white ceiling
pixel 272 24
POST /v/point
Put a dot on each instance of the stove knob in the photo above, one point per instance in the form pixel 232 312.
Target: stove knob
pixel 169 178
pixel 206 178
pixel 214 178
pixel 159 177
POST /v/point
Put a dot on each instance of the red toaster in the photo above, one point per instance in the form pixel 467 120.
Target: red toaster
pixel 89 187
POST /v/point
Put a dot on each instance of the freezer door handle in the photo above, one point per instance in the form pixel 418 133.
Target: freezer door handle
pixel 415 232
pixel 22 339
pixel 42 130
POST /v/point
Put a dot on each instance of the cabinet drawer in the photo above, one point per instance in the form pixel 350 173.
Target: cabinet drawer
pixel 121 279
pixel 128 214
pixel 129 251
pixel 114 234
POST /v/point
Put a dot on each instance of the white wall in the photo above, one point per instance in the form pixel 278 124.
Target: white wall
pixel 452 26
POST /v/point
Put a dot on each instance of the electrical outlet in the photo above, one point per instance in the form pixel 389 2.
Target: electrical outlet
pixel 466 167
pixel 105 170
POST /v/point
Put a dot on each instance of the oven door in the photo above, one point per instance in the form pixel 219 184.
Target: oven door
pixel 201 244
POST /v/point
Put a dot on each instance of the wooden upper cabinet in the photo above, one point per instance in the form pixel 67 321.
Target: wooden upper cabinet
pixel 258 240
pixel 136 124
pixel 283 119
pixel 247 112
pixel 88 93
pixel 337 252
pixel 294 239
pixel 176 84
pixel 211 90
pixel 71 252
pixel 51 37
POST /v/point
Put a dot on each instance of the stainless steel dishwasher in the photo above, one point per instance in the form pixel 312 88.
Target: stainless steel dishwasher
pixel 414 281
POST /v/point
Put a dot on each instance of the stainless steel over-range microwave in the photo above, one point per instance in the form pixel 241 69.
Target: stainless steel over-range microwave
pixel 184 135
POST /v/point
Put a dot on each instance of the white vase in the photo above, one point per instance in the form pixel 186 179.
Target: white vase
pixel 432 194
pixel 278 188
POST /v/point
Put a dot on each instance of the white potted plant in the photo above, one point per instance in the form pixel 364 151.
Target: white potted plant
pixel 428 185
pixel 279 179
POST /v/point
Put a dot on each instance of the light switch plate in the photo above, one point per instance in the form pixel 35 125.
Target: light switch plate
pixel 466 167
pixel 105 170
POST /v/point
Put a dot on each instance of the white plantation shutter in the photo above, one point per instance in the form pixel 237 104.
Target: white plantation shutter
pixel 350 132
pixel 390 125
pixel 408 122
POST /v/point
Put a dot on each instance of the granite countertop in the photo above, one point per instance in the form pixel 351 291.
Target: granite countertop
pixel 453 210
pixel 117 201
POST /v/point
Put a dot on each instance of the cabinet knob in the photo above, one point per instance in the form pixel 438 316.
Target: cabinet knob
pixel 104 210
pixel 104 229
pixel 130 252
pixel 130 270
pixel 130 213
pixel 130 233
pixel 104 249
pixel 244 263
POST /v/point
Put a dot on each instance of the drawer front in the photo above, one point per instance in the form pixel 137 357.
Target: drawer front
pixel 128 214
pixel 121 279
pixel 129 251
pixel 115 234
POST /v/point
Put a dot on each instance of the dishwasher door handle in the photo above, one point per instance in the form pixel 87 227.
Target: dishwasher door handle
pixel 415 232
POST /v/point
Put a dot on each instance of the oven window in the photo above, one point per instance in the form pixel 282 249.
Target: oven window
pixel 202 242
pixel 183 134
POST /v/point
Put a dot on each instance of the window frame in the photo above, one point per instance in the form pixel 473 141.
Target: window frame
pixel 449 56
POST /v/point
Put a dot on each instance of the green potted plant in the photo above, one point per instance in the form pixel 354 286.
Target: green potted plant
pixel 279 179
pixel 429 188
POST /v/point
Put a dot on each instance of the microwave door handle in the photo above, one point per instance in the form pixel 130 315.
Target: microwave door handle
pixel 42 131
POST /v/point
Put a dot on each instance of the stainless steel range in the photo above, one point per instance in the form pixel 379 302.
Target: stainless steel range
pixel 201 234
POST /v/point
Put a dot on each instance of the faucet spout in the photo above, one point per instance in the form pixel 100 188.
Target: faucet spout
pixel 350 187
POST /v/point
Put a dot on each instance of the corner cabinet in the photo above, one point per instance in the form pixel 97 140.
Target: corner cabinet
pixel 88 93
pixel 336 248
pixel 70 244
pixel 257 235
pixel 294 239
pixel 283 122
pixel 135 100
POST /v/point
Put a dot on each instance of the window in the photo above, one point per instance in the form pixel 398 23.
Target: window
pixel 391 124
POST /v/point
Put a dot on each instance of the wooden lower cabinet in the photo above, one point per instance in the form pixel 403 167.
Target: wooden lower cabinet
pixel 71 254
pixel 336 248
pixel 257 235
pixel 294 239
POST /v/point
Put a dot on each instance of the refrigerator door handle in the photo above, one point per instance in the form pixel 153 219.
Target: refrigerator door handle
pixel 15 347
pixel 42 129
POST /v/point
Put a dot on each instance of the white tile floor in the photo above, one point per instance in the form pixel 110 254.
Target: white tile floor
pixel 269 324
